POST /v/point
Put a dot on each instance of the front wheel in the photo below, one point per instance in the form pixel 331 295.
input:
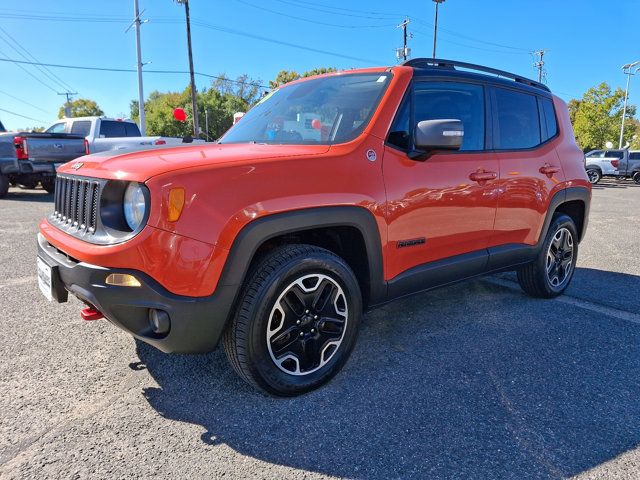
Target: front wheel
pixel 549 275
pixel 296 322
pixel 594 175
pixel 636 177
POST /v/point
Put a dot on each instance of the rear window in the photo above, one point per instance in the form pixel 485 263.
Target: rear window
pixel 619 154
pixel 517 120
pixel 81 127
pixel 132 129
pixel 110 129
pixel 550 123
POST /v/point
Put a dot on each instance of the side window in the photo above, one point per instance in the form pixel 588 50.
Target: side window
pixel 110 129
pixel 517 120
pixel 81 127
pixel 634 155
pixel 131 129
pixel 449 100
pixel 57 128
pixel 399 134
pixel 550 121
pixel 619 154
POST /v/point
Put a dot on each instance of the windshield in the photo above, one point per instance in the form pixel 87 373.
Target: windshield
pixel 325 110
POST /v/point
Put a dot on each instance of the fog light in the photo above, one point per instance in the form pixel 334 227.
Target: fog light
pixel 159 321
pixel 122 280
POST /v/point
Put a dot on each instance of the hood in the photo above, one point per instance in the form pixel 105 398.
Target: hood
pixel 141 165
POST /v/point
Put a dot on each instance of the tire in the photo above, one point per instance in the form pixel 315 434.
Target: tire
pixel 284 294
pixel 49 185
pixel 551 272
pixel 594 175
pixel 4 186
pixel 636 177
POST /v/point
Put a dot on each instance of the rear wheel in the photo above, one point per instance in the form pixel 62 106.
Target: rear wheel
pixel 49 184
pixel 296 322
pixel 549 275
pixel 4 186
pixel 594 175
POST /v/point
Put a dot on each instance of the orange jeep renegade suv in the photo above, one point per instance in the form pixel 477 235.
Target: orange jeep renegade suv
pixel 333 195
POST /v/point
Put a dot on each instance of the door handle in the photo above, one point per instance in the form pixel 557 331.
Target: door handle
pixel 549 169
pixel 482 176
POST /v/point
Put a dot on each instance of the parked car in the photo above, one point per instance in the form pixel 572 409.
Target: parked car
pixel 29 158
pixel 629 165
pixel 104 134
pixel 603 163
pixel 334 195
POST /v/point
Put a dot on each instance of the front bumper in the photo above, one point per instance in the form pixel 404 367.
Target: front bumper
pixel 196 322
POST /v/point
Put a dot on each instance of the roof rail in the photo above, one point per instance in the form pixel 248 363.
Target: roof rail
pixel 451 64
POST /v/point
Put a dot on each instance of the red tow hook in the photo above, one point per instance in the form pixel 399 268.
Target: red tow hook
pixel 90 313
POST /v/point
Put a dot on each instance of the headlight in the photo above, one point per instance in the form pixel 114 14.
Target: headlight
pixel 135 205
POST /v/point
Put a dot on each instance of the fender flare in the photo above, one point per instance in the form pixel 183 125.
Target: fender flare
pixel 258 231
pixel 563 196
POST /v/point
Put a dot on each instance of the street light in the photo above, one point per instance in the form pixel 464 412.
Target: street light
pixel 435 26
pixel 626 69
pixel 194 98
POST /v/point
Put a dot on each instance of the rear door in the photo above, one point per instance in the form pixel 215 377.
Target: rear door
pixel 524 128
pixel 442 206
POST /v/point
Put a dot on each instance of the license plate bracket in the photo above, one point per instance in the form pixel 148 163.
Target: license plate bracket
pixel 49 281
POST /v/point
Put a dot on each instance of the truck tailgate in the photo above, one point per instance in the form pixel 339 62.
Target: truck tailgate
pixel 54 148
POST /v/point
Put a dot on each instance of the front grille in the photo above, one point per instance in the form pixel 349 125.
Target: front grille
pixel 76 203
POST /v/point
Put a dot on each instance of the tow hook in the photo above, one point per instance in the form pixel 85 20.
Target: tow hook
pixel 90 313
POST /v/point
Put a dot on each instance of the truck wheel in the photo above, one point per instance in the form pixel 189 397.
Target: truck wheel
pixel 550 273
pixel 594 175
pixel 636 177
pixel 296 321
pixel 4 186
pixel 49 185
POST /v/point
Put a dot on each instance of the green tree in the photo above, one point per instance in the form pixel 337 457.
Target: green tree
pixel 82 107
pixel 218 103
pixel 286 76
pixel 598 116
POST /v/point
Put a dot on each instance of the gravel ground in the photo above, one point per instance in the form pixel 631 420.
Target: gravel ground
pixel 472 381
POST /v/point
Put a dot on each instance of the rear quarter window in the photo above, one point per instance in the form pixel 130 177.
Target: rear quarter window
pixel 549 119
pixel 81 127
pixel 111 129
pixel 517 121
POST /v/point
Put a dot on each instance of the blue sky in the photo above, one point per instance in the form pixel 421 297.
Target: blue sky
pixel 586 42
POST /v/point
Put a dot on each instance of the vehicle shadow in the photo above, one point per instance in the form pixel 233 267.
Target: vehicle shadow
pixel 473 381
pixel 610 183
pixel 31 195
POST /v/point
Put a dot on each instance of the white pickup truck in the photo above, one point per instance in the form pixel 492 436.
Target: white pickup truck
pixel 103 134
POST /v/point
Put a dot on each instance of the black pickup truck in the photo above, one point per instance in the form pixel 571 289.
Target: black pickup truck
pixel 29 158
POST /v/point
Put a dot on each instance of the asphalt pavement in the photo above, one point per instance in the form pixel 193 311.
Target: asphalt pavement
pixel 472 381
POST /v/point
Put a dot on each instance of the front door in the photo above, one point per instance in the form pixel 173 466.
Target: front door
pixel 443 206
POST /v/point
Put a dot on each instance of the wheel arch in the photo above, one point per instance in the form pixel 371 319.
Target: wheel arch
pixel 572 201
pixel 349 231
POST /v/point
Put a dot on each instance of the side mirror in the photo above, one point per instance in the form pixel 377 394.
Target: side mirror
pixel 441 134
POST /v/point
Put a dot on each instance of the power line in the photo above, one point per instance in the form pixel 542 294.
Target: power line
pixel 24 101
pixel 23 116
pixel 128 70
pixel 317 22
pixel 19 63
pixel 47 73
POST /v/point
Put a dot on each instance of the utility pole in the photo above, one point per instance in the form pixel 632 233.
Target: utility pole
pixel 538 56
pixel 67 105
pixel 626 69
pixel 206 124
pixel 435 27
pixel 137 23
pixel 194 97
pixel 404 52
